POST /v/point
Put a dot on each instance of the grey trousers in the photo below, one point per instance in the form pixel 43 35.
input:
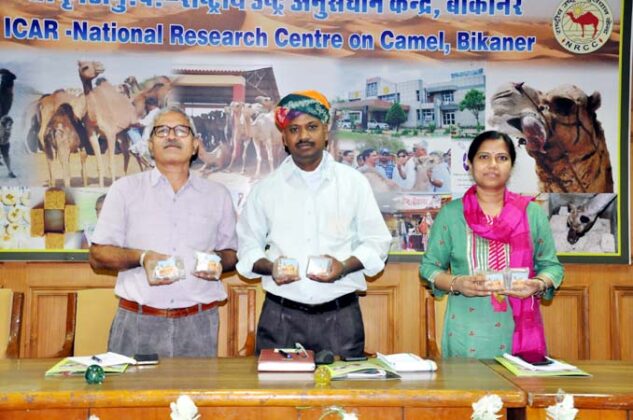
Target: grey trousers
pixel 190 336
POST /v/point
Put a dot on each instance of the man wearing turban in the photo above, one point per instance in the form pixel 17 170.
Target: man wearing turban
pixel 319 213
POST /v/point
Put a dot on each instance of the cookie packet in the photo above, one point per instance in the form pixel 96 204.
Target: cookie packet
pixel 318 265
pixel 208 263
pixel 507 278
pixel 288 267
pixel 172 269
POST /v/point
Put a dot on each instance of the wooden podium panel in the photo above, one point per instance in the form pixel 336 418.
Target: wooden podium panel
pixel 230 388
pixel 590 317
pixel 607 394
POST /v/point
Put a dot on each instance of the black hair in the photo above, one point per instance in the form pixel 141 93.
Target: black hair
pixel 491 135
pixel 347 152
pixel 151 101
pixel 100 199
pixel 368 152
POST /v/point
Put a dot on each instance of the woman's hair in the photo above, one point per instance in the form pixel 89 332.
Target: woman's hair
pixel 491 135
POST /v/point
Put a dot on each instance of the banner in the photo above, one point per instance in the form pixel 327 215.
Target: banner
pixel 411 83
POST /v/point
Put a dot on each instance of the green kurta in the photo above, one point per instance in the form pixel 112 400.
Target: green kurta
pixel 471 327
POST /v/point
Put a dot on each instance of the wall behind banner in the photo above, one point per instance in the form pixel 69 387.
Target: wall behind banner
pixel 227 63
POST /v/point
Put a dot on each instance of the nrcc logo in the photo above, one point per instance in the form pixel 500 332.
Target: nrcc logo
pixel 582 27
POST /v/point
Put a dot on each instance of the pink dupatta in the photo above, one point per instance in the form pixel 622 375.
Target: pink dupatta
pixel 512 227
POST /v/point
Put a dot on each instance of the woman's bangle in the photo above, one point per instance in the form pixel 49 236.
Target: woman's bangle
pixel 451 289
pixel 545 287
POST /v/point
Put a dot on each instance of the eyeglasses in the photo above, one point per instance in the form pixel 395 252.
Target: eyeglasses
pixel 180 131
pixel 401 156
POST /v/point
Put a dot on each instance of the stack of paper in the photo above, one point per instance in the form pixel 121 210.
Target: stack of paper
pixel 370 369
pixel 104 359
pixel 110 362
pixel 407 362
pixel 520 367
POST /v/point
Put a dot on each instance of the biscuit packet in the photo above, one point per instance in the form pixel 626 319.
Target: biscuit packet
pixel 209 264
pixel 170 269
pixel 495 279
pixel 318 265
pixel 288 267
pixel 518 275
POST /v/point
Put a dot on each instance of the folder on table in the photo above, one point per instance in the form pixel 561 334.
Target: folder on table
pixel 286 360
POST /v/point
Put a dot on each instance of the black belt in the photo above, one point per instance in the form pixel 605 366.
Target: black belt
pixel 332 305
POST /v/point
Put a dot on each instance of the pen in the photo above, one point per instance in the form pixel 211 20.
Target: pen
pixel 304 353
pixel 284 354
pixel 96 359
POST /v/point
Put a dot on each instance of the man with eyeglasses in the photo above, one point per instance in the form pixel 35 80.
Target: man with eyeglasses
pixel 152 216
pixel 404 174
pixel 311 208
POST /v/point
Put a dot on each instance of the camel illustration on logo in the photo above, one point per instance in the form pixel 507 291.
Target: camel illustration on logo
pixel 586 18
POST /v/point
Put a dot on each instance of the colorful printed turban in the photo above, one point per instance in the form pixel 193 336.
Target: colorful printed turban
pixel 294 104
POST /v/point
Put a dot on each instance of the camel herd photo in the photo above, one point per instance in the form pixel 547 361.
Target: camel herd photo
pixel 227 134
pixel 91 121
pixel 78 136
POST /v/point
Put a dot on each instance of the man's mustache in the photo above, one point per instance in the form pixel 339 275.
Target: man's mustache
pixel 310 142
pixel 172 143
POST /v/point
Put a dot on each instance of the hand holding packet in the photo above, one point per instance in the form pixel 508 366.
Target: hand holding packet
pixel 285 270
pixel 287 267
pixel 208 264
pixel 170 269
pixel 519 275
pixel 495 279
pixel 506 279
pixel 319 265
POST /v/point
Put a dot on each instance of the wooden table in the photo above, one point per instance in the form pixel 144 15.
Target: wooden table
pixel 230 389
pixel 607 395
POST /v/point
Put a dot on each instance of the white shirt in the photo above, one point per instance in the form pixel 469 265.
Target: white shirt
pixel 442 173
pixel 283 217
pixel 147 122
pixel 409 171
pixel 313 179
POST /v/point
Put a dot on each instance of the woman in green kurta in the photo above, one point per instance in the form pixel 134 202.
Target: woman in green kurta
pixel 475 325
